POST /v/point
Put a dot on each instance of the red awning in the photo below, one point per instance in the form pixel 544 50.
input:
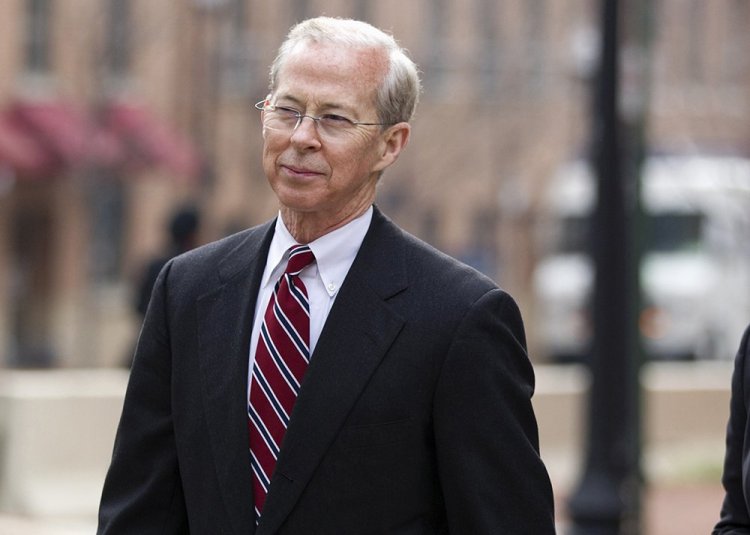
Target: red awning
pixel 20 151
pixel 148 141
pixel 51 136
pixel 47 137
pixel 56 127
pixel 70 133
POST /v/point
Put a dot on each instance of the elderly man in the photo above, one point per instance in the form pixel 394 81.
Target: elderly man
pixel 326 372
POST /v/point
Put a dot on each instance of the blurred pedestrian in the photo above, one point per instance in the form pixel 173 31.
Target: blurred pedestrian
pixel 735 511
pixel 182 230
pixel 414 414
pixel 183 236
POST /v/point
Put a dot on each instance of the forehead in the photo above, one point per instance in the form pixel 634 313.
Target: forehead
pixel 327 70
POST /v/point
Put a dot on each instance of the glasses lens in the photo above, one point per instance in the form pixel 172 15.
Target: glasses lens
pixel 335 126
pixel 284 119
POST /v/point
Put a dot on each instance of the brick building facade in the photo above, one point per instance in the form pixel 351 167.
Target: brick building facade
pixel 142 105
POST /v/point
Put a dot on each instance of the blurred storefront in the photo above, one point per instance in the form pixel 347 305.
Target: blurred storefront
pixel 83 160
pixel 65 174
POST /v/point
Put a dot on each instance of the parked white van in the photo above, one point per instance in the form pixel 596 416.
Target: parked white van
pixel 695 270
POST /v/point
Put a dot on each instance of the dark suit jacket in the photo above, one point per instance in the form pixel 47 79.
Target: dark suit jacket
pixel 735 511
pixel 414 416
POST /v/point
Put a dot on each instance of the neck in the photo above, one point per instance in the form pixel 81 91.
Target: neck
pixel 306 227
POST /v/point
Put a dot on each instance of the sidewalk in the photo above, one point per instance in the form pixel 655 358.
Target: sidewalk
pixel 15 525
pixel 684 509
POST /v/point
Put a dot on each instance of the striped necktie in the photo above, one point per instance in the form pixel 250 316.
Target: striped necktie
pixel 281 360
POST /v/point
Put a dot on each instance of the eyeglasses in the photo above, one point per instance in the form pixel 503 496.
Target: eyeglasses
pixel 329 125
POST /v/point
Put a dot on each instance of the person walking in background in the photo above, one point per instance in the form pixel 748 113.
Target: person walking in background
pixel 326 372
pixel 183 230
pixel 735 511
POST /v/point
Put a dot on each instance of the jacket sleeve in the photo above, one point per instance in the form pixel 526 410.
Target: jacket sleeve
pixel 492 476
pixel 142 492
pixel 735 518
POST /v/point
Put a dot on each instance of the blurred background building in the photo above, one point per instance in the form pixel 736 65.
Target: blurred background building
pixel 114 112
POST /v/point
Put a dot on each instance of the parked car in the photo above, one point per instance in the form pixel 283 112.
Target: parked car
pixel 695 267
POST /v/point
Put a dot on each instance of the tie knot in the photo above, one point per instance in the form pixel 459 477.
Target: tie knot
pixel 300 256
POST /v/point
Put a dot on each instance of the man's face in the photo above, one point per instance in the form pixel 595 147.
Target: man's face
pixel 329 179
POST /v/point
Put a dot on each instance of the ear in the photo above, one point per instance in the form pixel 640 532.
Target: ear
pixel 392 143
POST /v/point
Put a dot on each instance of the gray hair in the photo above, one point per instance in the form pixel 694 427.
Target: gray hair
pixel 398 94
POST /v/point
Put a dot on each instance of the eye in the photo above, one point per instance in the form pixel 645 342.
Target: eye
pixel 287 113
pixel 332 119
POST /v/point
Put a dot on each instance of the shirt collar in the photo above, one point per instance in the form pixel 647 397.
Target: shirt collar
pixel 334 252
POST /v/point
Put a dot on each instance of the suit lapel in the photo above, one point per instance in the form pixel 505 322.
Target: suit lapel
pixel 225 322
pixel 358 332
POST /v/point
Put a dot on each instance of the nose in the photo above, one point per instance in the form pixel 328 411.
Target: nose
pixel 301 119
pixel 305 134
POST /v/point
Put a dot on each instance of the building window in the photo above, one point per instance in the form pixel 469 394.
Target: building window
pixel 489 51
pixel 118 36
pixel 735 63
pixel 535 26
pixel 362 10
pixel 107 204
pixel 38 16
pixel 436 45
pixel 696 41
pixel 238 55
pixel 300 9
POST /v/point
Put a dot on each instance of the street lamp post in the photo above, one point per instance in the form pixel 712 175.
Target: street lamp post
pixel 607 500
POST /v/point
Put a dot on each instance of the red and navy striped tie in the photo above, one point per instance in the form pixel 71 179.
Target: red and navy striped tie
pixel 281 360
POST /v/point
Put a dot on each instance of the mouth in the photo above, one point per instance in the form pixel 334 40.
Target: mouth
pixel 300 172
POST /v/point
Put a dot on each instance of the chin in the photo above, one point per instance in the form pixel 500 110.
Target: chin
pixel 297 203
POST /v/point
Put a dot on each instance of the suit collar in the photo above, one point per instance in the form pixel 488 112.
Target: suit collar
pixel 248 253
pixel 382 261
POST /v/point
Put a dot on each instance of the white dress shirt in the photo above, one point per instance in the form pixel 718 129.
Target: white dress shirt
pixel 334 254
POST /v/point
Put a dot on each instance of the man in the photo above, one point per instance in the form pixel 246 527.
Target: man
pixel 183 236
pixel 735 509
pixel 413 414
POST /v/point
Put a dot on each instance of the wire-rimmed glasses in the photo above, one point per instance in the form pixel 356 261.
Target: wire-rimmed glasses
pixel 329 125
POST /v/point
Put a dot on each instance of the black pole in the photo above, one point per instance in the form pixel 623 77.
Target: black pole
pixel 607 498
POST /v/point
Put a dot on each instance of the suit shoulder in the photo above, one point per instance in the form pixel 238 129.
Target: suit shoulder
pixel 424 260
pixel 444 285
